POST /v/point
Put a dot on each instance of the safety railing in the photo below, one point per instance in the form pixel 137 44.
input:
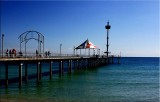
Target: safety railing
pixel 44 55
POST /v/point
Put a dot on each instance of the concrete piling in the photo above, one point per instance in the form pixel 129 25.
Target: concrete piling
pixel 20 74
pixel 50 69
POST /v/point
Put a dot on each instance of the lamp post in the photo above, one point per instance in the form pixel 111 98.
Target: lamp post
pixel 107 27
pixel 60 49
pixel 98 52
pixel 40 48
pixel 74 48
pixel 2 43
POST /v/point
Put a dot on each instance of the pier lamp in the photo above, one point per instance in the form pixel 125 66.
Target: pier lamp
pixel 107 27
pixel 99 51
pixel 60 49
pixel 2 43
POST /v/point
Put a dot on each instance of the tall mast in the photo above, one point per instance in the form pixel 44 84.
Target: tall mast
pixel 107 27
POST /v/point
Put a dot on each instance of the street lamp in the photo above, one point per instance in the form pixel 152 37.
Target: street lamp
pixel 60 48
pixel 2 43
pixel 98 52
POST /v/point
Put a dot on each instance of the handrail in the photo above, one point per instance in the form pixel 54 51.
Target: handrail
pixel 43 55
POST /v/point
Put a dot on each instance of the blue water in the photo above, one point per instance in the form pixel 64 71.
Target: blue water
pixel 134 80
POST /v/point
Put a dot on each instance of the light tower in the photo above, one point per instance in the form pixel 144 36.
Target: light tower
pixel 107 27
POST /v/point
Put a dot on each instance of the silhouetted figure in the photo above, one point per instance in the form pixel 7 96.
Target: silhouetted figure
pixel 36 53
pixel 49 53
pixel 10 53
pixel 7 53
pixel 46 54
pixel 14 53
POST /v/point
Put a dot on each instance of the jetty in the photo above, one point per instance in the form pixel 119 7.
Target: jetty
pixel 74 61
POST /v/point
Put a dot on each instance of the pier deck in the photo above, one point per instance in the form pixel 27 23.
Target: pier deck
pixel 73 63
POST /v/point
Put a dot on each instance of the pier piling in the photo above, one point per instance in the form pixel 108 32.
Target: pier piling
pixel 60 68
pixel 112 59
pixel 118 59
pixel 74 63
pixel 20 74
pixel 6 67
pixel 77 63
pixel 38 65
pixel 40 70
pixel 51 70
pixel 69 66
pixel 26 73
pixel 88 63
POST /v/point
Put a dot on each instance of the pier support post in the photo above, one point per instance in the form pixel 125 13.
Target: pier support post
pixel 74 64
pixel 40 70
pixel 6 68
pixel 83 66
pixel 60 68
pixel 88 63
pixel 38 65
pixel 70 67
pixel 77 65
pixel 101 62
pixel 112 59
pixel 51 70
pixel 118 59
pixel 20 74
pixel 98 62
pixel 26 73
pixel 94 63
pixel 106 61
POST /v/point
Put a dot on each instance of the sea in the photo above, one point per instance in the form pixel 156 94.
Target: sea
pixel 135 79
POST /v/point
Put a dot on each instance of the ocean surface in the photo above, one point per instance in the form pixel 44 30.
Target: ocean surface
pixel 136 79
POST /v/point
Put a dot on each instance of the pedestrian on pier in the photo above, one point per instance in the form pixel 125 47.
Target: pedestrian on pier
pixel 10 53
pixel 36 53
pixel 48 53
pixel 7 53
pixel 14 53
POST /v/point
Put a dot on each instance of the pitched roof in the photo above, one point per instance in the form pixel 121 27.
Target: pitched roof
pixel 86 45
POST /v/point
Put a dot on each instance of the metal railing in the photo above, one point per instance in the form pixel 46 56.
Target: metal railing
pixel 43 55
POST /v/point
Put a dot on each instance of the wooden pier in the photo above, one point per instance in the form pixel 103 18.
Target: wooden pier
pixel 74 62
pixel 77 63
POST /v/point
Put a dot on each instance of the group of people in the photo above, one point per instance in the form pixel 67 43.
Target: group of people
pixel 47 54
pixel 11 53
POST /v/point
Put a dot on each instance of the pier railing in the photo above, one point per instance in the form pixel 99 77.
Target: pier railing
pixel 30 55
pixel 42 55
pixel 74 63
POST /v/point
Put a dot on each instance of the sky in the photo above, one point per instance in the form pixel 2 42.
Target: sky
pixel 134 25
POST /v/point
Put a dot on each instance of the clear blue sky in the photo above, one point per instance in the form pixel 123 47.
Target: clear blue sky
pixel 134 24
